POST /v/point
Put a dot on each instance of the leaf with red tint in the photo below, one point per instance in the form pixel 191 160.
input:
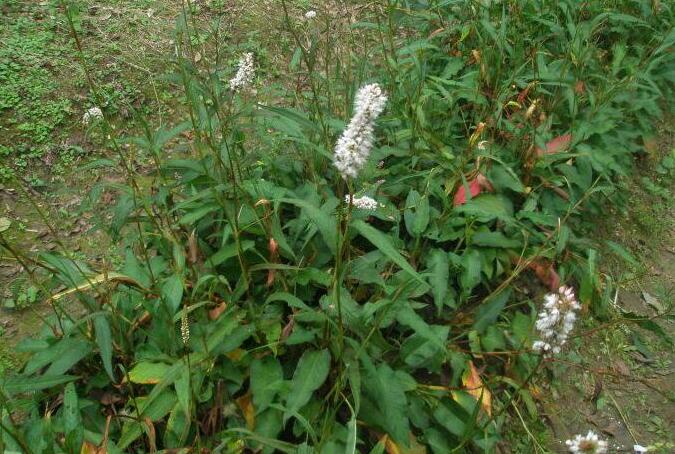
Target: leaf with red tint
pixel 556 145
pixel 579 87
pixel 475 188
pixel 546 273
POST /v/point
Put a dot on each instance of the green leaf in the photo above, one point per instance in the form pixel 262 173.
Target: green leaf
pixel 471 262
pixel 383 243
pixel 63 352
pixel 623 253
pixel 439 275
pixel 72 422
pixel 386 392
pixel 324 221
pixel 172 292
pixel 266 378
pixel 489 310
pixel 22 383
pixel 155 410
pixel 69 358
pixel 310 373
pixel 183 392
pixel 228 251
pixel 487 207
pixel 104 342
pixel 494 239
pixel 416 214
pixel 148 373
pixel 502 177
pixel 350 446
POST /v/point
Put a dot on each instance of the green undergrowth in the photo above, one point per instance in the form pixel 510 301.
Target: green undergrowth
pixel 258 308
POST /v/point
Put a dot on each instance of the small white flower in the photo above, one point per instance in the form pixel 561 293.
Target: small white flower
pixel 363 203
pixel 311 14
pixel 482 145
pixel 353 147
pixel 556 321
pixel 640 449
pixel 95 113
pixel 245 73
pixel 587 444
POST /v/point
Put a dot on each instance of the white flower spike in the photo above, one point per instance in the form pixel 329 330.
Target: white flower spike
pixel 556 321
pixel 587 444
pixel 363 203
pixel 95 113
pixel 353 147
pixel 311 14
pixel 245 73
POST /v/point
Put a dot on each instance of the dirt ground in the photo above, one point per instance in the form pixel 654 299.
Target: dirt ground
pixel 619 379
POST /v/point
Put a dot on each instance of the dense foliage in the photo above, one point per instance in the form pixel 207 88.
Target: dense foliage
pixel 258 308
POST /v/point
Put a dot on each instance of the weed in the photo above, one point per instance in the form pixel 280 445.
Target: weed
pixel 258 307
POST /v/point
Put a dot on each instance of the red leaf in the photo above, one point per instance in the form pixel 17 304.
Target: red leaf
pixel 475 188
pixel 556 145
pixel 546 273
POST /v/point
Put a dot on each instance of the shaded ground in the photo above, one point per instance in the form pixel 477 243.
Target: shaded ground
pixel 619 380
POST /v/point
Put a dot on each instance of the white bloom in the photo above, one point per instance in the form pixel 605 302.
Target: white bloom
pixel 640 449
pixel 353 147
pixel 311 14
pixel 363 203
pixel 482 145
pixel 94 113
pixel 556 320
pixel 588 444
pixel 245 73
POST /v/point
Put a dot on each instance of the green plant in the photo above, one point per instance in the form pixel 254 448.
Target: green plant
pixel 259 308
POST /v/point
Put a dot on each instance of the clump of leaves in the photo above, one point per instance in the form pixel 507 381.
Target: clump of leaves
pixel 256 309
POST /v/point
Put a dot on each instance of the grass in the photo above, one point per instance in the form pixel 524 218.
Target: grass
pixel 181 208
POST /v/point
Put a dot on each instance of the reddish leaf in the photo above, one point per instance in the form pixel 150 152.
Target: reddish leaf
pixel 556 145
pixel 579 87
pixel 216 311
pixel 460 196
pixel 546 273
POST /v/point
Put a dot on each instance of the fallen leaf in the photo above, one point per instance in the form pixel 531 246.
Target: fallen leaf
pixel 245 403
pixel 557 145
pixel 4 224
pixel 653 302
pixel 621 367
pixel 389 446
pixel 90 448
pixel 474 386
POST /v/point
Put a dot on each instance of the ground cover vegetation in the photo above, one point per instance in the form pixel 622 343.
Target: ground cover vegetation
pixel 349 253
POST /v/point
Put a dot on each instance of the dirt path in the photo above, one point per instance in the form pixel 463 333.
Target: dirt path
pixel 620 380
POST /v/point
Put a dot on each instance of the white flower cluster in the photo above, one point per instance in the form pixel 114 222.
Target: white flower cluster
pixel 95 113
pixel 311 14
pixel 363 203
pixel 587 444
pixel 245 73
pixel 353 147
pixel 556 321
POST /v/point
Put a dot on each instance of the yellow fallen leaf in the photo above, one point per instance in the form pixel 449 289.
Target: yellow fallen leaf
pixel 392 448
pixel 474 386
pixel 389 445
pixel 245 403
